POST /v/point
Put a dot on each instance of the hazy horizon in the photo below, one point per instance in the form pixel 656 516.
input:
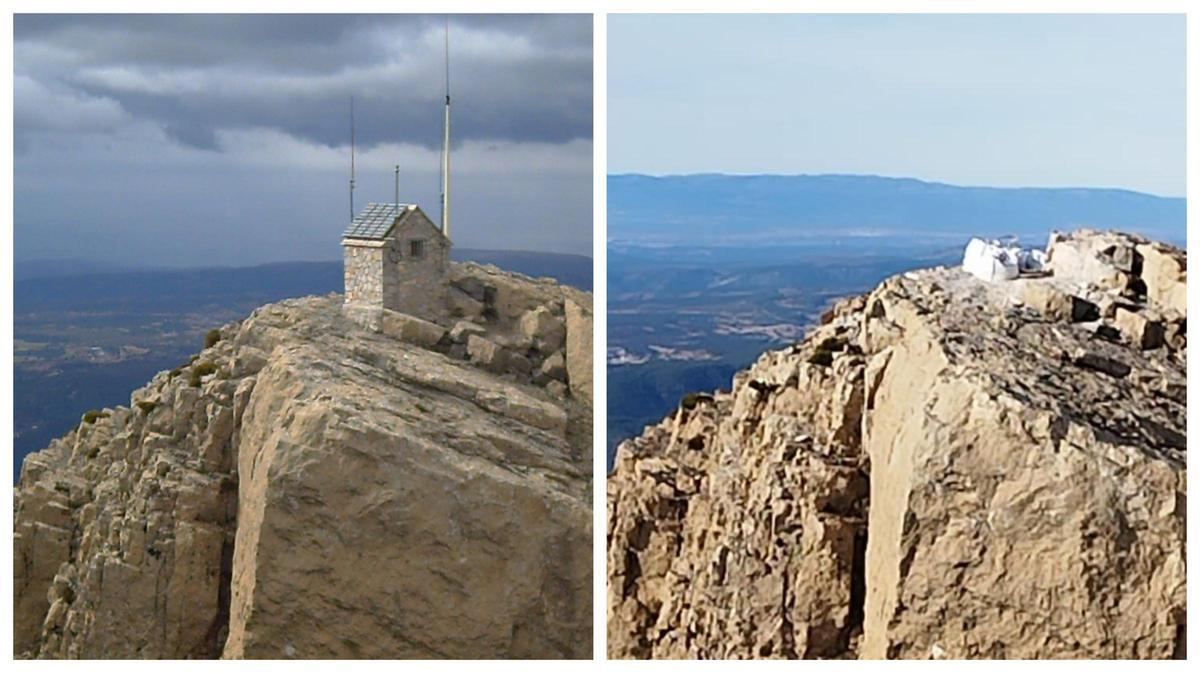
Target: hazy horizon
pixel 751 174
pixel 336 258
pixel 1003 100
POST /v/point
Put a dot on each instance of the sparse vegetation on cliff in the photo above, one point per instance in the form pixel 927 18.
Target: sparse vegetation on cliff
pixel 199 371
pixel 93 415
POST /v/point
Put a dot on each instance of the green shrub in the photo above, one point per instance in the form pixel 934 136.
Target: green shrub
pixel 175 372
pixel 690 400
pixel 192 360
pixel 823 352
pixel 211 339
pixel 821 358
pixel 92 415
pixel 199 371
pixel 146 406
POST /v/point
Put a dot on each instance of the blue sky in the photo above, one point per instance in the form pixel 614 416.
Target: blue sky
pixel 1002 100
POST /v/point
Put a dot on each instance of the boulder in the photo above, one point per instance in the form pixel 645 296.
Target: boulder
pixel 487 353
pixel 542 329
pixel 519 364
pixel 411 329
pixel 1175 334
pixel 1140 329
pixel 463 329
pixel 472 287
pixel 1089 257
pixel 554 368
pixel 1055 304
pixel 463 305
pixel 1164 270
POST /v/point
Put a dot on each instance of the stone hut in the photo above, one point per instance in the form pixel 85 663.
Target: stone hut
pixel 396 258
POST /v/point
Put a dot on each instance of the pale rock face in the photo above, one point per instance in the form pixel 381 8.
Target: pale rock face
pixel 937 471
pixel 579 345
pixel 1164 270
pixel 331 491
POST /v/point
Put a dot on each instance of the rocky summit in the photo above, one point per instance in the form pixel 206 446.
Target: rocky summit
pixel 943 468
pixel 308 486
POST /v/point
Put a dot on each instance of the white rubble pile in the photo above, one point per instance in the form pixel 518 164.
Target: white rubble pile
pixel 993 260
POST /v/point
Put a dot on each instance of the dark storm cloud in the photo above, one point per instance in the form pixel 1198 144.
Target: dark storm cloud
pixel 516 78
pixel 201 140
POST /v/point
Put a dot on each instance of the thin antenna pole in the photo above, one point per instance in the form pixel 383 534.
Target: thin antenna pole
pixel 352 158
pixel 397 199
pixel 446 142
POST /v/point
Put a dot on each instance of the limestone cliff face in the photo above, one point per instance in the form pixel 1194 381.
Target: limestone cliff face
pixel 945 468
pixel 309 487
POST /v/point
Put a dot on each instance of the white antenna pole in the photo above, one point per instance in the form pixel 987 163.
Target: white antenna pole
pixel 446 143
pixel 351 158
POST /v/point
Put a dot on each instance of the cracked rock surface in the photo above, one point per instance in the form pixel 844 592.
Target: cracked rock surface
pixel 309 487
pixel 944 468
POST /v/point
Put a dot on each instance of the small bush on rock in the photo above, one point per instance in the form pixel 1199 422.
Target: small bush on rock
pixel 199 371
pixel 690 400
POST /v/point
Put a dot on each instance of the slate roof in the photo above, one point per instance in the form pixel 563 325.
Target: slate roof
pixel 375 221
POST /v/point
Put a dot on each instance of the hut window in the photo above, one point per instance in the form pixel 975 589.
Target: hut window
pixel 416 249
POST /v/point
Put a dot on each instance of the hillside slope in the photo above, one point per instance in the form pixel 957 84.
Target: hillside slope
pixel 945 468
pixel 309 487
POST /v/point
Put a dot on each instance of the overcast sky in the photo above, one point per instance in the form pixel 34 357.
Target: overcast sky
pixel 1041 100
pixel 199 140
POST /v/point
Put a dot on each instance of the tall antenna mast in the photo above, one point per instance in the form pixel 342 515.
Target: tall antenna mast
pixel 396 210
pixel 446 143
pixel 352 158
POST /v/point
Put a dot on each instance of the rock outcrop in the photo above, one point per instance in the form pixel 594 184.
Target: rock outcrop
pixel 944 468
pixel 309 487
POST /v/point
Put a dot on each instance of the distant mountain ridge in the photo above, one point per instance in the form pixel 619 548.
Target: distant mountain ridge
pixel 568 268
pixel 720 209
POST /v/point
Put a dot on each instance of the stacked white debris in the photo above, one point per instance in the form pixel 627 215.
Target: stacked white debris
pixel 993 261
